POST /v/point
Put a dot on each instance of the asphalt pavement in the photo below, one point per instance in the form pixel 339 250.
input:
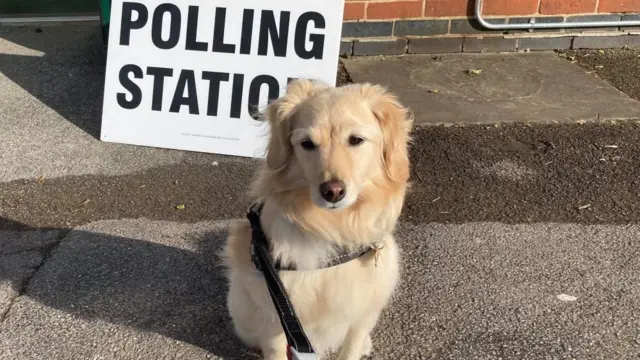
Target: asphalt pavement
pixel 519 240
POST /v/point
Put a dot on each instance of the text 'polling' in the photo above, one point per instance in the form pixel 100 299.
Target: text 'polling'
pixel 263 33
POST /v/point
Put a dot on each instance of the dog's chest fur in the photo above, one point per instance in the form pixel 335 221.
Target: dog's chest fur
pixel 327 300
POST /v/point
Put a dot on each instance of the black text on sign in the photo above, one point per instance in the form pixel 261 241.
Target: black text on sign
pixel 274 38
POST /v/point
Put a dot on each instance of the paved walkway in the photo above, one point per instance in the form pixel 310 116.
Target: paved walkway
pixel 518 241
pixel 495 88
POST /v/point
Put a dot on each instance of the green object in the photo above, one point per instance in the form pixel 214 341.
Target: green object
pixel 105 16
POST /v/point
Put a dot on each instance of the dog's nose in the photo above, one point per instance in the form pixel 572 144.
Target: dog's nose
pixel 333 191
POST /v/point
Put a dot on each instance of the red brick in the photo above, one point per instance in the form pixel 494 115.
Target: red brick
pixel 618 6
pixel 353 11
pixel 449 7
pixel 509 7
pixel 394 10
pixel 549 7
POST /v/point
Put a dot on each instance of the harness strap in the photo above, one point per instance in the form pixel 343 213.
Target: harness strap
pixel 296 338
pixel 335 261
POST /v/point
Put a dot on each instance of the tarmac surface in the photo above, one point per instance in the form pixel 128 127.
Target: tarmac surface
pixel 518 240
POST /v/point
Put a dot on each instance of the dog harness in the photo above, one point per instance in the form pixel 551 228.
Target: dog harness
pixel 298 345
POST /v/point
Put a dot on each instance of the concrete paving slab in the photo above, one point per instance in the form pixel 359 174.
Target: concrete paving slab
pixel 125 290
pixel 51 86
pixel 15 269
pixel 494 291
pixel 21 252
pixel 140 289
pixel 536 87
pixel 55 334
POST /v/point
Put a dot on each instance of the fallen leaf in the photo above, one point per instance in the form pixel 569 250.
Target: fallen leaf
pixel 582 207
pixel 601 51
pixel 474 71
pixel 565 297
pixel 435 91
pixel 85 202
pixel 180 207
pixel 611 146
pixel 41 180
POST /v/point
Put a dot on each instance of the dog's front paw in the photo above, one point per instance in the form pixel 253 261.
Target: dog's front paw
pixel 367 347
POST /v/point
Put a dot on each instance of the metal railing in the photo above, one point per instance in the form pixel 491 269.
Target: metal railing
pixel 551 25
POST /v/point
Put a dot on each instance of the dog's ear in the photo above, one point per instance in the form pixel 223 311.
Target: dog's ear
pixel 395 121
pixel 279 114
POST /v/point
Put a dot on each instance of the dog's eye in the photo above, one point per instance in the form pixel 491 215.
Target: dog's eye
pixel 355 141
pixel 307 144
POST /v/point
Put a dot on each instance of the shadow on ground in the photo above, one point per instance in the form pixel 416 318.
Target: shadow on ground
pixel 69 77
pixel 152 287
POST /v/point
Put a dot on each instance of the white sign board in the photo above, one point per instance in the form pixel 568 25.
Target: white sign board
pixel 189 74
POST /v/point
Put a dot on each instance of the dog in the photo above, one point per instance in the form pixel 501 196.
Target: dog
pixel 335 175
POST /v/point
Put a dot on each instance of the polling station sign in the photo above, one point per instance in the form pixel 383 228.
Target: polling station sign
pixel 192 74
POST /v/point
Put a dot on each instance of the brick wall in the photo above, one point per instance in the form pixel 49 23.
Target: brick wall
pixel 437 26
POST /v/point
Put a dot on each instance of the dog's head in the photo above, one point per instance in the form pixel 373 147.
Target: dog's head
pixel 338 142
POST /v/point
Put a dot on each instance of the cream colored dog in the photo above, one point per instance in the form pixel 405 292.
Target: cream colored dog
pixel 336 173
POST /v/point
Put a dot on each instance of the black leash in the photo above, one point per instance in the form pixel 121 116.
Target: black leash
pixel 299 347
